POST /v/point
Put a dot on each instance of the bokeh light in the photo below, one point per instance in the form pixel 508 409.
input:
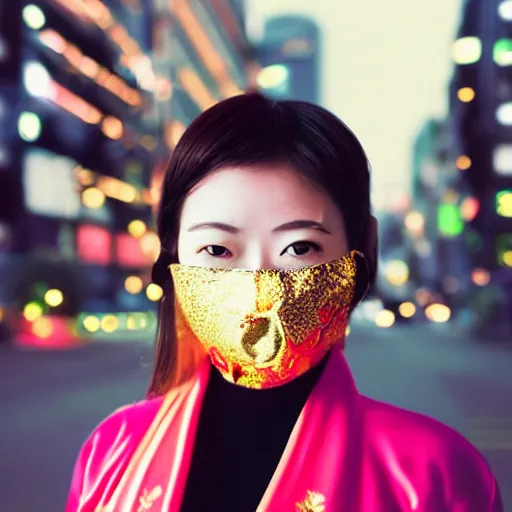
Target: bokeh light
pixel 154 292
pixel 91 323
pixel 407 309
pixel 385 319
pixel 109 323
pixel 32 311
pixel 54 297
pixel 133 284
pixel 438 313
pixel 137 228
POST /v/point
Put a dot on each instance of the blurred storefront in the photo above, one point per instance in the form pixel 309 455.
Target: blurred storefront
pixel 93 97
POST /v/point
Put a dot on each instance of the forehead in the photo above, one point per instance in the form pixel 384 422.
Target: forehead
pixel 237 194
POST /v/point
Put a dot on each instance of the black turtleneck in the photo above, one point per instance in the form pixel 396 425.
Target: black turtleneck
pixel 241 436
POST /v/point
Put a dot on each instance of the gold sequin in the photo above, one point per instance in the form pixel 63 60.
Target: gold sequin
pixel 263 328
pixel 314 502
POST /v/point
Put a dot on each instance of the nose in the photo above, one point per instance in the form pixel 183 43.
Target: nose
pixel 256 259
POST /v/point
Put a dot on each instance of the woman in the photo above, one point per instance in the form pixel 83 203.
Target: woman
pixel 268 243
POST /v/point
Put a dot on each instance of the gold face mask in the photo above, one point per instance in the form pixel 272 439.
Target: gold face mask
pixel 264 328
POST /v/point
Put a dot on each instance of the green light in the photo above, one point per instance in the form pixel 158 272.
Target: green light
pixel 449 221
pixel 504 203
pixel 502 52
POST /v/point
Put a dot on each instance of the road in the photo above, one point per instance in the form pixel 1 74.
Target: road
pixel 50 401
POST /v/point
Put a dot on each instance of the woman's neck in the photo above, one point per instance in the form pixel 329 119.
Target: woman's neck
pixel 287 399
pixel 240 440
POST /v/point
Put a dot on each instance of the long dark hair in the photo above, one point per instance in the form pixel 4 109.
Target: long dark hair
pixel 243 131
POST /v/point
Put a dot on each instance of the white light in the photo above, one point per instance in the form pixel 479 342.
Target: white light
pixel 504 114
pixel 33 17
pixel 467 50
pixel 502 159
pixel 272 76
pixel 37 80
pixel 29 126
pixel 505 10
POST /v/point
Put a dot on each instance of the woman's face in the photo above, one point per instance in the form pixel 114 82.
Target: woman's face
pixel 259 217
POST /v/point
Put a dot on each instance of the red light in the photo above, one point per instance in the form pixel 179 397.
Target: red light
pixel 469 209
pixel 94 244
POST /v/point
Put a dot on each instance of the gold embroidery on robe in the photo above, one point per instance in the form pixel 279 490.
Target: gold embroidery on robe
pixel 314 502
pixel 146 501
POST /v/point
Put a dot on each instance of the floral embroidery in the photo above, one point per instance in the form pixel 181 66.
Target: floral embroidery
pixel 147 499
pixel 314 502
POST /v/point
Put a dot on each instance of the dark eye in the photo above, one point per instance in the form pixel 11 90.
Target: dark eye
pixel 301 248
pixel 217 251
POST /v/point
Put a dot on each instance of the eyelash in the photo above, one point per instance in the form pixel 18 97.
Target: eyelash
pixel 311 245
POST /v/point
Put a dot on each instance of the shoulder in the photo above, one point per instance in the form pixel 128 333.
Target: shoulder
pixel 432 454
pixel 107 452
pixel 132 420
pixel 121 431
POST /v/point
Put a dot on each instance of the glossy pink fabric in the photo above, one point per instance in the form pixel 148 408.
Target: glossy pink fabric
pixel 359 454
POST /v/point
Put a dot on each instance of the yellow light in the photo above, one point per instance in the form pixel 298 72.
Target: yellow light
pixel 480 276
pixel 347 330
pixel 32 311
pixel 112 127
pixel 504 206
pixel 438 313
pixel 109 323
pixel 91 323
pixel 117 189
pixel 42 327
pixel 507 258
pixel 397 272
pixel 53 298
pixel 407 309
pixel 137 228
pixel 131 323
pixel 93 198
pixel 415 222
pixel 463 162
pixel 466 94
pixel 133 284
pixel 385 318
pixel 154 292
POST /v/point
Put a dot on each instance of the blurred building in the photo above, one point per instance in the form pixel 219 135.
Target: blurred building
pixel 289 54
pixel 93 97
pixel 481 116
pixel 462 182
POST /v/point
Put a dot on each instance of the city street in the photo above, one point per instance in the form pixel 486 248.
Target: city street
pixel 50 401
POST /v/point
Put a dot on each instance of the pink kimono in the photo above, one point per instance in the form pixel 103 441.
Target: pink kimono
pixel 347 453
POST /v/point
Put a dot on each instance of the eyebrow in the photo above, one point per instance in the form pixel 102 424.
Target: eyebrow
pixel 302 224
pixel 288 226
pixel 214 225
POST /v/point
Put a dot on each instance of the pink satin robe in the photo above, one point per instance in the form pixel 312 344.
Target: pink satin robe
pixel 347 453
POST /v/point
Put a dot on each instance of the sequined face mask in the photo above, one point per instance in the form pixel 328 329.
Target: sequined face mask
pixel 264 328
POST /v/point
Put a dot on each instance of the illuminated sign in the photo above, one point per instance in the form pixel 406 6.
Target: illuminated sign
pixel 94 244
pixel 50 185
